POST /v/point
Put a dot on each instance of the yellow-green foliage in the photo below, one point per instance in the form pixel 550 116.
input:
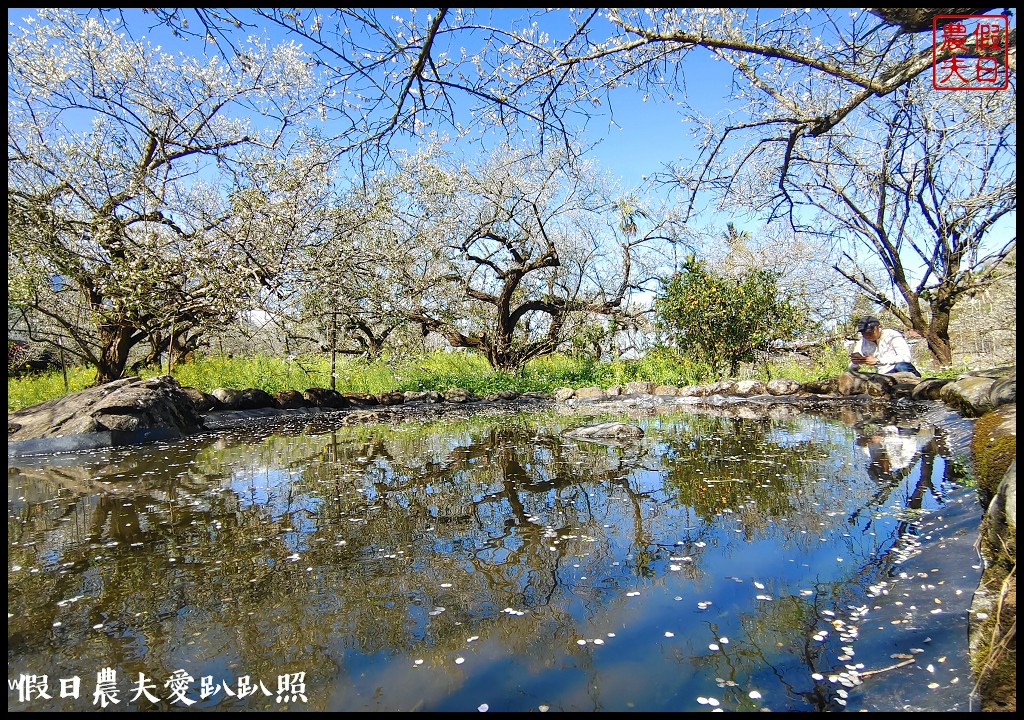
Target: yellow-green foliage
pixel 993 452
pixel 39 387
pixel 434 371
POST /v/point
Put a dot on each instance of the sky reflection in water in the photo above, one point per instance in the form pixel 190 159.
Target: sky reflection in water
pixel 717 563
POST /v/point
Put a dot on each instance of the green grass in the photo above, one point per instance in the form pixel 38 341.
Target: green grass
pixel 39 387
pixel 435 371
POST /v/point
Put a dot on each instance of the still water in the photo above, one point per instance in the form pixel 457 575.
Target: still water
pixel 801 564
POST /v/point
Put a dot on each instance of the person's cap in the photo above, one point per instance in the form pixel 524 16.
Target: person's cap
pixel 866 323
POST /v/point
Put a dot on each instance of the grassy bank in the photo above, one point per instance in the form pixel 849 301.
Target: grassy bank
pixel 435 371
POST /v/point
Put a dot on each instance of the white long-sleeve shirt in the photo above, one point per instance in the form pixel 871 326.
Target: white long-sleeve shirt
pixel 891 348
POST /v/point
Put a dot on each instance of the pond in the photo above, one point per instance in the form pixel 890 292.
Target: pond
pixel 799 564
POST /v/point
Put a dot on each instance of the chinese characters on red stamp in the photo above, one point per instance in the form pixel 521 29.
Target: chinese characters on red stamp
pixel 970 52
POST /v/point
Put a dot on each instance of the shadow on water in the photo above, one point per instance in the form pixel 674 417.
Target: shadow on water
pixel 800 564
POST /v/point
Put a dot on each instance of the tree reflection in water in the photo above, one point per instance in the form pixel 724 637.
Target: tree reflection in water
pixel 715 558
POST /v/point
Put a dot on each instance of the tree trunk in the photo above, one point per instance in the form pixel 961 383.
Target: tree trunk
pixel 937 335
pixel 117 340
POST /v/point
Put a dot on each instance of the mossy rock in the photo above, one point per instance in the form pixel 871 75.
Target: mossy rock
pixel 994 446
pixel 994 656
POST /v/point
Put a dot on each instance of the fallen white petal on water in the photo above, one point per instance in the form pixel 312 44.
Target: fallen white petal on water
pixel 598 641
pixel 634 593
pixel 543 708
pixel 417 662
pixel 669 633
pixel 460 660
pixel 713 646
pixel 675 567
pixel 933 685
pixel 758 585
pixel 702 700
pixel 930 668
pixel 723 640
pixel 97 627
pixel 754 695
pixel 581 642
pixel 484 707
pixel 472 638
pixel 817 676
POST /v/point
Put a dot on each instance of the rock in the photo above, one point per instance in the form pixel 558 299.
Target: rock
pixel 357 399
pixel 427 396
pixel 670 390
pixel 536 395
pixel 324 398
pixel 1004 391
pixel 614 391
pixel 123 411
pixel 746 388
pixel 905 378
pixel 457 395
pixel 782 386
pixel 639 388
pixel 563 393
pixel 858 383
pixel 589 392
pixel 929 389
pixel 229 397
pixel 290 400
pixel 828 386
pixel 606 431
pixel 254 399
pixel 245 399
pixel 970 395
pixel 390 398
pixel 204 402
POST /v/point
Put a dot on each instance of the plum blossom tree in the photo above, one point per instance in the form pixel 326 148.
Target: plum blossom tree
pixel 519 249
pixel 144 190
